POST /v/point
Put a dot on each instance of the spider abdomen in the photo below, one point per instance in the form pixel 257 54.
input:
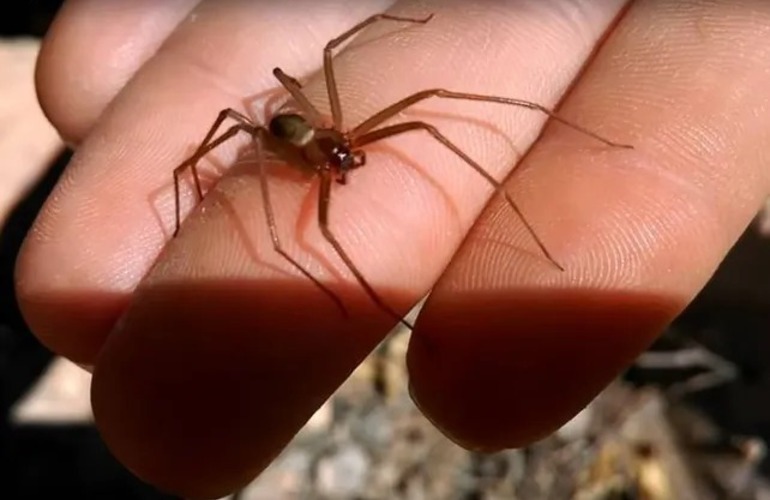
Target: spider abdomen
pixel 292 128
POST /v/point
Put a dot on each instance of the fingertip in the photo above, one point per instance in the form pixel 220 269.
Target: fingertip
pixel 69 95
pixel 91 50
pixel 203 384
pixel 87 318
pixel 519 367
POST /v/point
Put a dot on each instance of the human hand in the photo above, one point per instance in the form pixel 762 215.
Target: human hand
pixel 222 351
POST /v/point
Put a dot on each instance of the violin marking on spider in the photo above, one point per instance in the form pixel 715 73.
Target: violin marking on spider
pixel 305 141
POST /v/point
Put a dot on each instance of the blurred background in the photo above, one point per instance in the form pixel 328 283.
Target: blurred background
pixel 689 420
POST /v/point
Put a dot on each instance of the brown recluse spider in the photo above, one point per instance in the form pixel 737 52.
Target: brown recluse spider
pixel 306 142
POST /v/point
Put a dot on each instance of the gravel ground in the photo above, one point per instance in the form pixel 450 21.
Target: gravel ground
pixel 628 443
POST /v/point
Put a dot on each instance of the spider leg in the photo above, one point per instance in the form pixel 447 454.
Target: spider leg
pixel 401 128
pixel 404 103
pixel 243 124
pixel 294 88
pixel 331 83
pixel 262 136
pixel 221 117
pixel 323 221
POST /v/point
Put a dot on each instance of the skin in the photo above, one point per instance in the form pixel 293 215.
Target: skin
pixel 209 352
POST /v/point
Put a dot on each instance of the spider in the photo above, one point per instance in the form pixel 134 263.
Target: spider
pixel 305 140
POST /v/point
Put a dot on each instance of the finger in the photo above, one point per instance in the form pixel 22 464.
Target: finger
pixel 640 232
pixel 285 348
pixel 92 49
pixel 100 231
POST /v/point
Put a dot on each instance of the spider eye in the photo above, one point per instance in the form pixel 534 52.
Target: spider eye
pixel 343 158
pixel 292 128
